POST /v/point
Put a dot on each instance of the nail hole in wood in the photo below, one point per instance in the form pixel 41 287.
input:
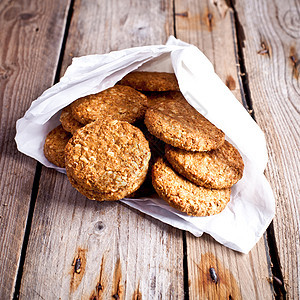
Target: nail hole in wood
pixel 264 49
pixel 213 275
pixel 99 287
pixel 99 226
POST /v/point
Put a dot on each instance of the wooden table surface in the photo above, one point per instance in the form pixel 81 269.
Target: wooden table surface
pixel 46 225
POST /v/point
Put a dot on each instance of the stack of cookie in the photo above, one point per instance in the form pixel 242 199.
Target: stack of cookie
pixel 199 166
pixel 107 158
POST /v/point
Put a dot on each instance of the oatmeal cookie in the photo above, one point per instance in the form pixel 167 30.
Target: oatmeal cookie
pixel 121 103
pixel 220 168
pixel 157 97
pixel 54 147
pixel 107 160
pixel 68 122
pixel 177 123
pixel 151 81
pixel 185 195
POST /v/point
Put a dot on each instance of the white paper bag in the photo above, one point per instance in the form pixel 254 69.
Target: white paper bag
pixel 252 204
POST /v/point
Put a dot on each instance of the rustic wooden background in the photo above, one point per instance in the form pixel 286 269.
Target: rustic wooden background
pixel 46 226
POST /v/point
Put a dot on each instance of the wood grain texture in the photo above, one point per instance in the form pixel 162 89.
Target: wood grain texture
pixel 275 92
pixel 122 24
pixel 81 249
pixel 30 47
pixel 210 26
pixel 120 251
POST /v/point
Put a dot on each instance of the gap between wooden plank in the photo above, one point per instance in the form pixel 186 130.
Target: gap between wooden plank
pixel 278 282
pixel 38 171
pixel 185 268
pixel 240 36
pixel 63 45
pixel 34 192
pixel 184 244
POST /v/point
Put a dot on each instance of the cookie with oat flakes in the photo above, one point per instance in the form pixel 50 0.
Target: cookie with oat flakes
pixel 121 103
pixel 54 147
pixel 67 120
pixel 184 195
pixel 157 97
pixel 89 193
pixel 151 81
pixel 107 160
pixel 179 124
pixel 220 168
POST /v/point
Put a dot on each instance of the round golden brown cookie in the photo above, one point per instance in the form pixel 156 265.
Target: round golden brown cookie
pixel 89 193
pixel 107 160
pixel 151 81
pixel 185 195
pixel 121 103
pixel 146 189
pixel 67 120
pixel 177 123
pixel 54 147
pixel 157 97
pixel 220 168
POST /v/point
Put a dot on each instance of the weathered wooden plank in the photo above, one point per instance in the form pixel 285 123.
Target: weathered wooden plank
pixel 210 26
pixel 271 52
pixel 30 47
pixel 121 252
pixel 121 25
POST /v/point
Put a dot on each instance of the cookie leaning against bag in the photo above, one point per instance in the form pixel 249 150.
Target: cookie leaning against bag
pixel 54 147
pixel 118 103
pixel 219 168
pixel 151 81
pixel 67 120
pixel 185 195
pixel 177 123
